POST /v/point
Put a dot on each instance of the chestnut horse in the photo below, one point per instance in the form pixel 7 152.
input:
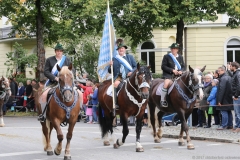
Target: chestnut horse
pixel 132 101
pixel 64 106
pixel 5 93
pixel 181 100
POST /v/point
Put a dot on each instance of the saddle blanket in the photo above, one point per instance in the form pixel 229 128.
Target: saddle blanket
pixel 109 90
pixel 159 89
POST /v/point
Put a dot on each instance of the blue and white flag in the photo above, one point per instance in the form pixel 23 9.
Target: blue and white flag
pixel 104 56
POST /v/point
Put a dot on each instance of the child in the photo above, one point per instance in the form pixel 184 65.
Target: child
pixel 89 109
pixel 212 104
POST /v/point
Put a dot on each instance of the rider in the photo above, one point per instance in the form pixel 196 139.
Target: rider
pixel 123 66
pixel 50 71
pixel 172 64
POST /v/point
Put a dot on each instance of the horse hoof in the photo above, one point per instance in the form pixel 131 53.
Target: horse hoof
pixel 157 140
pixel 57 153
pixel 190 147
pixel 106 143
pixel 2 125
pixel 67 157
pixel 49 153
pixel 139 149
pixel 181 143
pixel 115 146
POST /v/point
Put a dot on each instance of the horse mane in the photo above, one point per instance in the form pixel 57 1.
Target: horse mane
pixel 146 71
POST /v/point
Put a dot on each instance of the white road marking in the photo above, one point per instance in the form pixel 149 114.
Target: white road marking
pixel 20 153
pixel 216 144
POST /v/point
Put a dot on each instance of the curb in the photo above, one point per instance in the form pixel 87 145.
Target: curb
pixel 203 138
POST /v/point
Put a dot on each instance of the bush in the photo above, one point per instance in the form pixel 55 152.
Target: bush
pixel 156 75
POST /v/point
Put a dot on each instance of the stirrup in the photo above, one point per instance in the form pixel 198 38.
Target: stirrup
pixel 116 106
pixel 41 118
pixel 164 104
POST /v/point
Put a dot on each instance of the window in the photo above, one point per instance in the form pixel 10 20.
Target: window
pixel 147 55
pixel 233 50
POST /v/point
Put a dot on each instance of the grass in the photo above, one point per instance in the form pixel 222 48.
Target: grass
pixel 21 114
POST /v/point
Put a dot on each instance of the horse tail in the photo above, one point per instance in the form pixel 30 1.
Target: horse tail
pixel 104 121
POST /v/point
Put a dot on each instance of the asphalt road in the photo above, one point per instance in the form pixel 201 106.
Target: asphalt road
pixel 21 139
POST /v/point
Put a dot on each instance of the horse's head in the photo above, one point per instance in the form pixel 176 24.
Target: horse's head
pixel 5 85
pixel 66 82
pixel 143 78
pixel 195 81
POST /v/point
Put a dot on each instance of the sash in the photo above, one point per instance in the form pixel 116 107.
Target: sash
pixel 175 61
pixel 54 69
pixel 124 62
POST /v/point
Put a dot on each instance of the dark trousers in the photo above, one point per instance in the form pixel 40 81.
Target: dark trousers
pixel 201 117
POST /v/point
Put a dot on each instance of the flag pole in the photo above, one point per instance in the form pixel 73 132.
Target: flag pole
pixel 111 56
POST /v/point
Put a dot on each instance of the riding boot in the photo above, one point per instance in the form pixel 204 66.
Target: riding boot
pixel 115 98
pixel 42 117
pixel 163 95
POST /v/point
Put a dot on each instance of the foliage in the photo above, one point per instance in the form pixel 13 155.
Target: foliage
pixel 19 59
pixel 156 75
pixel 85 53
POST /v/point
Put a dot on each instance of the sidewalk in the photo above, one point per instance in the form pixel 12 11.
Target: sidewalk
pixel 209 134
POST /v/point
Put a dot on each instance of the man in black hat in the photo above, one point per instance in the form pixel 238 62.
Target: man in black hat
pixel 50 71
pixel 172 65
pixel 123 66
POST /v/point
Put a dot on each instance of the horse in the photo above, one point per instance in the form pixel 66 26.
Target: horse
pixel 64 106
pixel 132 100
pixel 181 100
pixel 5 93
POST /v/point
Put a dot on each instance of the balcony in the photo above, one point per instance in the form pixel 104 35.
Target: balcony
pixel 5 33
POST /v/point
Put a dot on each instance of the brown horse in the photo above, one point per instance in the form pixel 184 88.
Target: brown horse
pixel 181 100
pixel 132 100
pixel 5 93
pixel 64 106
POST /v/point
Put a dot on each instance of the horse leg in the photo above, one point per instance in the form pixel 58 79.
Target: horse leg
pixel 139 147
pixel 106 140
pixel 46 129
pixel 125 132
pixel 183 123
pixel 186 128
pixel 1 122
pixel 152 118
pixel 160 130
pixel 67 155
pixel 58 147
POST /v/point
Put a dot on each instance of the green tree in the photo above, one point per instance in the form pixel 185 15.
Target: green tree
pixel 18 60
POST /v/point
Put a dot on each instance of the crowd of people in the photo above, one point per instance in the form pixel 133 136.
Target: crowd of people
pixel 22 95
pixel 221 96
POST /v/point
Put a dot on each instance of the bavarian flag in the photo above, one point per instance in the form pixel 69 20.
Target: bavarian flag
pixel 107 48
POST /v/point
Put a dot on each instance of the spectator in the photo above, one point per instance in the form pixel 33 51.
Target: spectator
pixel 87 91
pixel 224 97
pixel 28 93
pixel 211 100
pixel 206 91
pixel 95 102
pixel 16 85
pixel 20 94
pixel 236 94
pixel 82 79
pixel 89 109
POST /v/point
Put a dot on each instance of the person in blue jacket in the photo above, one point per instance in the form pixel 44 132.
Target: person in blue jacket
pixel 211 100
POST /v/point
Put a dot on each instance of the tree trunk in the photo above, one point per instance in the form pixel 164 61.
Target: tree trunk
pixel 40 42
pixel 179 35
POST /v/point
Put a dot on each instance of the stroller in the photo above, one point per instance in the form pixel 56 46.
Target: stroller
pixel 171 119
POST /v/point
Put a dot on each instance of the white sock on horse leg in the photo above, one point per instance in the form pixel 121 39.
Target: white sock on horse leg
pixel 163 94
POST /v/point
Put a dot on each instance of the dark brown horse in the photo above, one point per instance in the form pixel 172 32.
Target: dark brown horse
pixel 64 106
pixel 5 93
pixel 132 101
pixel 181 100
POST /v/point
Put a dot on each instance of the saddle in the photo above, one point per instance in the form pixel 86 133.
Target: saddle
pixel 159 89
pixel 109 90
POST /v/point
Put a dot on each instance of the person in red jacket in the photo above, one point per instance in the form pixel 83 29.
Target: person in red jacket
pixel 87 91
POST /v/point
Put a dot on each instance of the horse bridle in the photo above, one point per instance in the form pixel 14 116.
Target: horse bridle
pixel 191 87
pixel 3 85
pixel 65 88
pixel 143 84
